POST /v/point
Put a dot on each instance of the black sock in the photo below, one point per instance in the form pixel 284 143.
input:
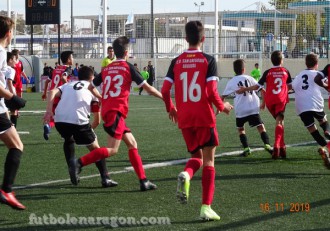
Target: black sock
pixel 318 138
pixel 69 150
pixel 264 137
pixel 102 167
pixel 11 167
pixel 244 141
pixel 325 126
pixel 13 119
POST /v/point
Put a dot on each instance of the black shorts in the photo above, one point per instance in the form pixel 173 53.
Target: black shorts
pixel 254 120
pixel 5 123
pixel 307 117
pixel 82 134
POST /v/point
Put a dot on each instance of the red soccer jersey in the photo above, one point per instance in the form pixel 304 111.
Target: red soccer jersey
pixel 57 75
pixel 190 73
pixel 117 78
pixel 277 80
pixel 18 72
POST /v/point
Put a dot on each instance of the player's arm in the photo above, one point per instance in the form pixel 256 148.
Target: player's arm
pixel 95 83
pixel 44 94
pixel 96 110
pixel 319 81
pixel 241 90
pixel 263 103
pixel 166 92
pixel 10 86
pixel 56 92
pixel 151 90
pixel 25 77
pixel 213 96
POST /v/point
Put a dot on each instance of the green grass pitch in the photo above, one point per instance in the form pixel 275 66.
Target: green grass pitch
pixel 253 193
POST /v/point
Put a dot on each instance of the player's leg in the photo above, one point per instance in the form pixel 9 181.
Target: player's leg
pixel 242 136
pixel 13 142
pixel 13 117
pixel 208 184
pixel 136 161
pixel 324 124
pixel 256 121
pixel 47 127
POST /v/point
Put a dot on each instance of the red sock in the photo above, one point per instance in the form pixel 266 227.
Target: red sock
pixel 282 144
pixel 278 135
pixel 208 178
pixel 192 166
pixel 51 124
pixel 136 162
pixel 94 156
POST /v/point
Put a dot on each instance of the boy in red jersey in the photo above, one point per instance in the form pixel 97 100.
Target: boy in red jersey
pixel 19 71
pixel 60 75
pixel 194 75
pixel 117 78
pixel 278 83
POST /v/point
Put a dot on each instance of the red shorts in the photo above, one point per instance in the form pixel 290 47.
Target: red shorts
pixel 199 137
pixel 115 125
pixel 275 109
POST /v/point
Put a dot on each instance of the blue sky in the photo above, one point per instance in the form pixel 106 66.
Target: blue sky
pixel 91 7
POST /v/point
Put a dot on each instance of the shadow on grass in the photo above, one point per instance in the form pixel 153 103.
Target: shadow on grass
pixel 266 217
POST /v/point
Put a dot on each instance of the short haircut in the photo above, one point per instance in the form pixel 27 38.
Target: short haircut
pixel 85 73
pixel 110 47
pixel 120 45
pixel 276 58
pixel 65 55
pixel 257 64
pixel 311 60
pixel 15 52
pixel 194 32
pixel 239 66
pixel 10 56
pixel 6 24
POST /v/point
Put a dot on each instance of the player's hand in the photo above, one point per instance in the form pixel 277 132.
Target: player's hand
pixel 173 116
pixel 48 116
pixel 15 103
pixel 44 97
pixel 262 106
pixel 241 90
pixel 27 80
pixel 228 107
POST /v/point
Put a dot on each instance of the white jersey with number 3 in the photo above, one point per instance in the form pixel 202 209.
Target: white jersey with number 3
pixel 75 104
pixel 308 95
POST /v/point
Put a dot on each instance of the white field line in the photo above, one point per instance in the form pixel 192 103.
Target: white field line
pixel 153 165
pixel 23 132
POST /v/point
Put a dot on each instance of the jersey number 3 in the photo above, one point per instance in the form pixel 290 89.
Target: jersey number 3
pixel 192 92
pixel 117 82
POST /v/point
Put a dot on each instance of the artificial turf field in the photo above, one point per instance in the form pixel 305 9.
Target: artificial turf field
pixel 285 187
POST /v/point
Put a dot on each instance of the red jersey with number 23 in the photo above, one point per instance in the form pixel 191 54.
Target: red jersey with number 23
pixel 277 79
pixel 117 79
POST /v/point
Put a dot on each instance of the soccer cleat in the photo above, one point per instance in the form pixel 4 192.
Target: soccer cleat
pixel 268 148
pixel 207 214
pixel 147 185
pixel 276 153
pixel 107 183
pixel 283 152
pixel 325 157
pixel 10 199
pixel 182 190
pixel 46 131
pixel 74 170
pixel 246 152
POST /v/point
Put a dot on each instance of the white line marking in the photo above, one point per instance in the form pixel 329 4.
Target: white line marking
pixel 153 165
pixel 23 132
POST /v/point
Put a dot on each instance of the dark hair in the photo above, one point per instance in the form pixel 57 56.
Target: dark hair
pixel 257 64
pixel 10 56
pixel 6 24
pixel 15 52
pixel 239 66
pixel 85 73
pixel 65 56
pixel 276 58
pixel 311 60
pixel 120 45
pixel 194 32
pixel 110 47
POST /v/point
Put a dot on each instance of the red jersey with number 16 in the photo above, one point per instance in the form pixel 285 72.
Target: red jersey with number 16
pixel 190 73
pixel 117 78
pixel 277 80
pixel 57 75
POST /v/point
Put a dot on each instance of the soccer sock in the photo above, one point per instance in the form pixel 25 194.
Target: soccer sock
pixel 94 156
pixel 136 162
pixel 318 138
pixel 208 178
pixel 13 119
pixel 11 166
pixel 102 167
pixel 243 140
pixel 51 124
pixel 69 150
pixel 278 135
pixel 192 166
pixel 264 137
pixel 282 144
pixel 325 126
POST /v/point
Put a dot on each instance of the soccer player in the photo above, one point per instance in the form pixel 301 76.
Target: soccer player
pixel 278 83
pixel 72 119
pixel 109 59
pixel 60 76
pixel 256 72
pixel 19 71
pixel 8 133
pixel 117 78
pixel 247 107
pixel 194 75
